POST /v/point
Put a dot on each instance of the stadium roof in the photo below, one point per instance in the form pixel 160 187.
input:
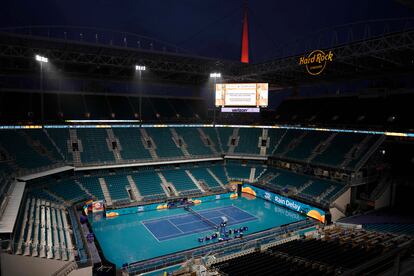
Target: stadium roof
pixel 387 54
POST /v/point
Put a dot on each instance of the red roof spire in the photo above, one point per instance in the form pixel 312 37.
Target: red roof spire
pixel 245 36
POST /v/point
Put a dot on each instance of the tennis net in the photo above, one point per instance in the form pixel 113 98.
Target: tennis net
pixel 204 219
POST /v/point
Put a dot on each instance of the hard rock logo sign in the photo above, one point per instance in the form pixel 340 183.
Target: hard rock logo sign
pixel 316 61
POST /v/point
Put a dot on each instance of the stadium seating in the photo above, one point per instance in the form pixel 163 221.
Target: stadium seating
pixel 286 179
pixel 34 149
pixel 61 138
pixel 362 149
pixel 192 138
pixel 332 253
pixel 181 181
pixel 260 170
pixel 224 134
pixel 92 185
pixel 400 228
pixel 211 132
pixel 264 264
pixel 220 173
pixel 117 187
pixel 201 174
pixel 25 155
pixel 274 136
pixel 334 155
pixel 164 108
pixel 249 141
pixel 5 181
pixel 338 250
pixel 67 189
pixel 307 187
pixel 40 138
pixel 120 107
pixel 238 172
pixel 336 111
pixel 149 184
pixel 165 146
pixel 44 231
pixel 83 257
pixel 307 145
pixel 96 107
pixel 72 106
pixel 95 146
pixel 132 147
pixel 288 137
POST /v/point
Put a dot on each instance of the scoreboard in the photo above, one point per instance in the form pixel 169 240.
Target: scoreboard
pixel 242 94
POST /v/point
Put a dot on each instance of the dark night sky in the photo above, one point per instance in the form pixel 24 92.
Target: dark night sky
pixel 209 27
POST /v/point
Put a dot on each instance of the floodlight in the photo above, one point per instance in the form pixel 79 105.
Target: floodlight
pixel 215 75
pixel 41 58
pixel 140 68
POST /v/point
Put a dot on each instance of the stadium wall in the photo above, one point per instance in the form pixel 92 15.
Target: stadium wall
pixel 385 199
pixel 339 205
pixel 21 265
pixel 86 271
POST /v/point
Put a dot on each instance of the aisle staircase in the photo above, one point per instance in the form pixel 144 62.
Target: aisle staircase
pixel 134 189
pixel 167 186
pixel 252 174
pixel 265 136
pixel 236 138
pixel 144 139
pixel 319 149
pixel 205 138
pixel 179 142
pixel 112 139
pixel 105 191
pixel 73 138
pixel 203 188
pixel 216 178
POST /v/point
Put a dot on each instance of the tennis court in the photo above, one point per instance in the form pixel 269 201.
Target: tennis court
pixel 144 235
pixel 170 227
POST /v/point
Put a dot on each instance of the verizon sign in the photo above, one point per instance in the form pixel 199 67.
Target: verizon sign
pixel 240 109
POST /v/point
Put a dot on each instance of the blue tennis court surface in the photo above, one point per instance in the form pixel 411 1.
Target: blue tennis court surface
pixel 144 235
pixel 170 227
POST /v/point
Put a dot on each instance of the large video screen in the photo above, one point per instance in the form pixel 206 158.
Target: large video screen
pixel 242 94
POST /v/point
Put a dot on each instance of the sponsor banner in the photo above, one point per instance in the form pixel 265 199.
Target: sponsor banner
pixel 289 203
pixel 240 109
pixel 315 63
pixel 97 206
pixel 163 205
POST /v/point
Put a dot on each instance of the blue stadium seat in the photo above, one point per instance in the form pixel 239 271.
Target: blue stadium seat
pixel 148 183
pixel 95 146
pixel 249 141
pixel 117 187
pixel 166 148
pixel 131 144
pixel 201 174
pixel 192 138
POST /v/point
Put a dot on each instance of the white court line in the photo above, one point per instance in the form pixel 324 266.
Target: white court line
pixel 185 214
pixel 181 234
pixel 240 210
pixel 234 222
pixel 175 226
pixel 151 232
pixel 188 233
